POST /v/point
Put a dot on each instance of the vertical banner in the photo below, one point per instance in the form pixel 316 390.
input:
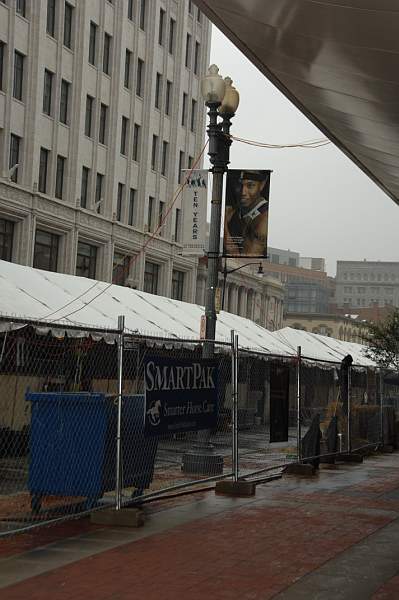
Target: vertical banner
pixel 246 214
pixel 195 196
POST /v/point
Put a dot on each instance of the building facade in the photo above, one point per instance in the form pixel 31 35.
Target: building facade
pixel 100 109
pixel 340 327
pixel 362 284
pixel 247 294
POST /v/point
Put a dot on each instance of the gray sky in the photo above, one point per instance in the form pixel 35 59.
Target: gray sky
pixel 321 204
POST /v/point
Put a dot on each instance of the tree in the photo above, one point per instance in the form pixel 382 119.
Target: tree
pixel 382 339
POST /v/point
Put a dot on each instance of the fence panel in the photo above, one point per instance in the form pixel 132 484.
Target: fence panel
pixel 266 412
pixel 57 416
pixel 365 413
pixel 171 460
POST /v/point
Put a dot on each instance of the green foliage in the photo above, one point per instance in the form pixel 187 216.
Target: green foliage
pixel 382 341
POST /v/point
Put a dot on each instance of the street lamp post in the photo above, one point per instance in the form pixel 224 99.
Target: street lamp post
pixel 222 100
pixel 227 272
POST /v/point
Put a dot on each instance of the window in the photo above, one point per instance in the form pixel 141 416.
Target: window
pixel 184 110
pixel 119 201
pixel 168 97
pixel 43 166
pixel 6 239
pixel 89 115
pixel 68 20
pixel 18 75
pixel 165 157
pixel 150 212
pixel 190 7
pixel 172 30
pixel 140 77
pixel 188 51
pixel 158 89
pixel 130 9
pixel 190 162
pixel 99 192
pixel 107 54
pixel 128 60
pixel 193 115
pixel 177 224
pixel 15 143
pixel 198 15
pixel 196 58
pixel 50 27
pixel 177 284
pixel 132 198
pixel 84 187
pixel 161 32
pixel 45 254
pixel 136 142
pixel 64 99
pixel 154 153
pixel 124 134
pixel 92 43
pixel 102 132
pixel 120 268
pixel 161 210
pixel 142 14
pixel 47 91
pixel 86 260
pixel 181 161
pixel 151 273
pixel 20 7
pixel 2 61
pixel 59 177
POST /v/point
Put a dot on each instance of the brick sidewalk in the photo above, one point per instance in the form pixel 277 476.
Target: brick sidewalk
pixel 253 549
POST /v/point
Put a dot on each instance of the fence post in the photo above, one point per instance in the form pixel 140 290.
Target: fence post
pixel 381 386
pixel 298 403
pixel 234 387
pixel 349 428
pixel 118 487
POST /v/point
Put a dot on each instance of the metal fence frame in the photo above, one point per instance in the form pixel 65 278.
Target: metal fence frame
pixel 232 355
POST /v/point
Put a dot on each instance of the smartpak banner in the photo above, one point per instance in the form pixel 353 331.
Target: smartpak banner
pixel 195 195
pixel 180 395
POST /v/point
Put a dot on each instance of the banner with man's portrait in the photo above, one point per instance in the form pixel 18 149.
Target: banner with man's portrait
pixel 246 214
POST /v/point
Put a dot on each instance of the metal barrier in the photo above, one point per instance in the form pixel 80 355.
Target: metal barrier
pixel 72 404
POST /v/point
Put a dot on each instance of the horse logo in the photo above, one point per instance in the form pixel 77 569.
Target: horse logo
pixel 154 413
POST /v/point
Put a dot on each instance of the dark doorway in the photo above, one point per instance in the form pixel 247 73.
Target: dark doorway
pixel 279 394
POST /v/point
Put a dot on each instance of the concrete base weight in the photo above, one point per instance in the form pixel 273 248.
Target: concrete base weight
pixel 125 517
pixel 302 469
pixel 241 489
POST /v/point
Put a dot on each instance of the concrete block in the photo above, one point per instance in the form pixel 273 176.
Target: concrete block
pixel 125 517
pixel 241 489
pixel 303 469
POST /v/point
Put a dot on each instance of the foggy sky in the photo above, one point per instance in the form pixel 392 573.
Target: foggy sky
pixel 321 204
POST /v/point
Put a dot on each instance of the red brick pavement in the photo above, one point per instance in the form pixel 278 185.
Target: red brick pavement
pixel 249 553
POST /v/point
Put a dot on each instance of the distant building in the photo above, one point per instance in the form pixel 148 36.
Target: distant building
pixel 340 327
pixel 283 257
pixel 315 264
pixel 362 284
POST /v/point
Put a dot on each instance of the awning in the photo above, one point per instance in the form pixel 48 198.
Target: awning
pixel 53 301
pixel 337 61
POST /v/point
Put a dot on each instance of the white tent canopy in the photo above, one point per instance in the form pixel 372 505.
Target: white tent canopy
pixel 58 300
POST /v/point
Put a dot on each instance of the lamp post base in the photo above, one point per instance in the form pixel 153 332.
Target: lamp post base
pixel 202 461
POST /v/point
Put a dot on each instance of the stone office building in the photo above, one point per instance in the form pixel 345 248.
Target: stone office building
pixel 100 108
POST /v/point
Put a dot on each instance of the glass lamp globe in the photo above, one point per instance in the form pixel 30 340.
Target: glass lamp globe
pixel 231 98
pixel 213 86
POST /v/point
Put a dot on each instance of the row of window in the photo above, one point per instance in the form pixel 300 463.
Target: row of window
pixel 363 302
pixel 370 276
pixel 46 257
pixel 375 290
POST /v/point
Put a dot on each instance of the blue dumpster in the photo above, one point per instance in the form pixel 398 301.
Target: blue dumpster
pixel 73 445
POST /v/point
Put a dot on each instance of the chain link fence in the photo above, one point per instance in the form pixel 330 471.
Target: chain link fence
pixel 73 418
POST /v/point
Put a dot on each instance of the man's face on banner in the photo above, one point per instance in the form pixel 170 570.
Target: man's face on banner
pixel 250 192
